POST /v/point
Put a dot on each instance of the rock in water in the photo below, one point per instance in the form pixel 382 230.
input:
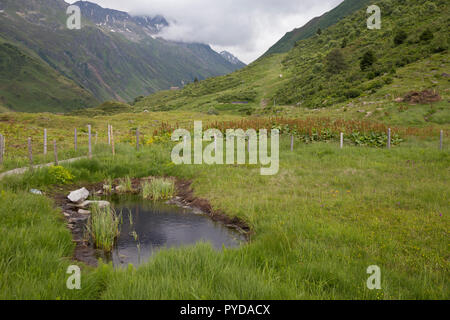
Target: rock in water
pixel 78 196
pixel 100 204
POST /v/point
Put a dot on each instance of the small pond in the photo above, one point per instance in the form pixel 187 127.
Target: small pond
pixel 148 227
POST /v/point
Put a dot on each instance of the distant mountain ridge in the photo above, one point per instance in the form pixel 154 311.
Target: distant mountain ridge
pixel 113 56
pixel 328 19
pixel 132 27
pixel 232 59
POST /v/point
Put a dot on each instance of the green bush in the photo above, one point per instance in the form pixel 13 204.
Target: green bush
pixel 368 59
pixel 400 37
pixel 353 93
pixel 335 61
pixel 213 111
pixel 60 175
pixel 427 35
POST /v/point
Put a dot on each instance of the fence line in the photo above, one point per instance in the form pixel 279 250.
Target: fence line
pixel 139 136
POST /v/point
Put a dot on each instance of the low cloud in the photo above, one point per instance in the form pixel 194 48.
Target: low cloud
pixel 246 28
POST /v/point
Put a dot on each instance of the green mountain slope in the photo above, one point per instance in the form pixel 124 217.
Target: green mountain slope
pixel 103 61
pixel 26 84
pixel 309 76
pixel 328 19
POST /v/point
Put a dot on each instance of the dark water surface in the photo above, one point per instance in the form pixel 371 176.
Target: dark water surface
pixel 155 226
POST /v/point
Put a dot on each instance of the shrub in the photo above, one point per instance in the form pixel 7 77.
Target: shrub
pixel 353 93
pixel 213 112
pixel 368 59
pixel 60 175
pixel 335 61
pixel 427 35
pixel 400 37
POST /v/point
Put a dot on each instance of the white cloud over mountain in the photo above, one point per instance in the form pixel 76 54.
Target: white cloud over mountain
pixel 246 28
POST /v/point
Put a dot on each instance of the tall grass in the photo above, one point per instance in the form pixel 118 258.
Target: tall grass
pixel 104 227
pixel 158 189
pixel 125 185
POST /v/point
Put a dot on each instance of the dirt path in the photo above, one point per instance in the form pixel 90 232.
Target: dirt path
pixel 23 170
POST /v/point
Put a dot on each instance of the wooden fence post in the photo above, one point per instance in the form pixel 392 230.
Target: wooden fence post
pixel 109 134
pixel 389 138
pixel 1 149
pixel 441 141
pixel 112 141
pixel 30 151
pixel 137 139
pixel 96 137
pixel 45 141
pixel 342 140
pixel 75 139
pixel 90 141
pixel 55 151
pixel 292 143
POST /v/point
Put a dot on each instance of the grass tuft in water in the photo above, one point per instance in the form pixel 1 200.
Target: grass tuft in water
pixel 158 189
pixel 104 227
pixel 125 185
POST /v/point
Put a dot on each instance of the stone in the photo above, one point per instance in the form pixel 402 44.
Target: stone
pixel 78 196
pixel 85 212
pixel 37 192
pixel 100 204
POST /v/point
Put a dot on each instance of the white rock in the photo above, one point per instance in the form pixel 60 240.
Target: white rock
pixel 35 191
pixel 81 211
pixel 100 204
pixel 78 196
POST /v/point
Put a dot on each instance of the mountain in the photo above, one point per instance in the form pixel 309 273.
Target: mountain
pixel 27 83
pixel 347 68
pixel 114 55
pixel 232 59
pixel 132 27
pixel 328 19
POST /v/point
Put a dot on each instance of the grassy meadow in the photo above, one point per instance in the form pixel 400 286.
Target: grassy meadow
pixel 318 225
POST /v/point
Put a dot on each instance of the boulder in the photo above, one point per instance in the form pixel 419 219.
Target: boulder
pixel 85 212
pixel 78 196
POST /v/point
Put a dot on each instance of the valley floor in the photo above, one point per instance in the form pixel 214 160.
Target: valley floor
pixel 318 225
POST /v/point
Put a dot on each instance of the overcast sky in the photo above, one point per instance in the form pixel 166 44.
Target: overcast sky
pixel 246 28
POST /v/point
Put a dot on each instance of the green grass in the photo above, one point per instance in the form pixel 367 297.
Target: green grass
pixel 318 225
pixel 125 185
pixel 158 189
pixel 103 227
pixel 36 250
